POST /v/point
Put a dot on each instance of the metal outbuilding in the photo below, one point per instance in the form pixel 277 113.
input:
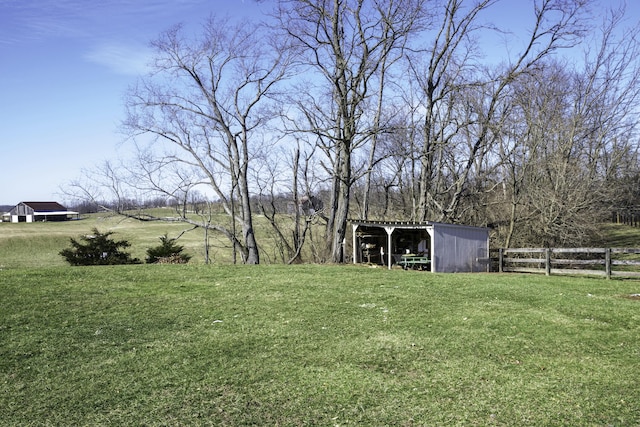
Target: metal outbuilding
pixel 434 246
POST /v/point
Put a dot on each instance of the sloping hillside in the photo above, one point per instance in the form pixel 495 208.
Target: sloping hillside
pixel 619 236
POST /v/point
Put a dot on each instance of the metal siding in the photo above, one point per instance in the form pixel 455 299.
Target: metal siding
pixel 21 209
pixel 458 248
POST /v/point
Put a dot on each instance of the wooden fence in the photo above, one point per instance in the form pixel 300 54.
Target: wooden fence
pixel 608 262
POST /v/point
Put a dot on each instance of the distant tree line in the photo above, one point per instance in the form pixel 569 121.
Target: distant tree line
pixel 386 109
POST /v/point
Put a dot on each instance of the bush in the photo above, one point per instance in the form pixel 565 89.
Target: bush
pixel 98 249
pixel 168 252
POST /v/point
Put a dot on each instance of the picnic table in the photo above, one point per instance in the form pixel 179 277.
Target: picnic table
pixel 414 261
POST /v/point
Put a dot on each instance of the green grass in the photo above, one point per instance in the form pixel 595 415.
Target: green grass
pixel 620 236
pixel 39 244
pixel 314 345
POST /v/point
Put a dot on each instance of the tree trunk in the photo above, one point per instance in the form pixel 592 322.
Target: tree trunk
pixel 342 206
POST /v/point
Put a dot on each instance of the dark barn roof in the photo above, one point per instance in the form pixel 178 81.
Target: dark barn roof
pixel 45 206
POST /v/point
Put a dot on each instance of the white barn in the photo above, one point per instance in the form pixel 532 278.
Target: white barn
pixel 436 247
pixel 40 211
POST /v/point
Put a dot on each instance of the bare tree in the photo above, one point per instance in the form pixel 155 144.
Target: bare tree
pixel 288 203
pixel 572 140
pixel 441 74
pixel 463 105
pixel 348 44
pixel 200 114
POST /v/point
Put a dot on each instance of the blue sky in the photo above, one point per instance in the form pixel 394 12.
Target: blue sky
pixel 64 68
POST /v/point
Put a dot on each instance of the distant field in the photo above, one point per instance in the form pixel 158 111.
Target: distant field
pixel 315 345
pixel 38 244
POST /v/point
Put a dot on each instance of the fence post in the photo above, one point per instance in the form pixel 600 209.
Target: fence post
pixel 547 266
pixel 607 262
pixel 500 260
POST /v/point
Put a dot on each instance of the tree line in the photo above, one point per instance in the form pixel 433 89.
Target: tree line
pixel 415 110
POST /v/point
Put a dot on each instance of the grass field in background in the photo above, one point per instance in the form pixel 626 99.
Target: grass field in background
pixel 314 345
pixel 38 244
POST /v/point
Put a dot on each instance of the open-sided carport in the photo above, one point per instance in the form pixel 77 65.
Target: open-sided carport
pixel 438 247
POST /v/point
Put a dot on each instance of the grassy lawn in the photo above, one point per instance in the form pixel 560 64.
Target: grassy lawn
pixel 314 345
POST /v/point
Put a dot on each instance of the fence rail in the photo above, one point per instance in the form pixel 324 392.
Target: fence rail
pixel 608 262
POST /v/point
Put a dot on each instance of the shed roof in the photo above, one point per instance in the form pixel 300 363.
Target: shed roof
pixel 410 224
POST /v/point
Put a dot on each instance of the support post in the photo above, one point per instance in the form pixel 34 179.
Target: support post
pixel 607 262
pixel 389 231
pixel 500 260
pixel 354 228
pixel 547 262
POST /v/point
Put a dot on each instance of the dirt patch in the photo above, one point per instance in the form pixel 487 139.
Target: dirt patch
pixel 633 296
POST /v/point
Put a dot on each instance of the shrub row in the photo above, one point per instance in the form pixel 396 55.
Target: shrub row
pixel 101 249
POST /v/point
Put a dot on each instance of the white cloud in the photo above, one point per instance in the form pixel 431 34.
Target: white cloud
pixel 31 20
pixel 121 58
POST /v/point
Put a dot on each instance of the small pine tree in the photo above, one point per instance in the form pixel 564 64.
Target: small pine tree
pixel 167 250
pixel 98 249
